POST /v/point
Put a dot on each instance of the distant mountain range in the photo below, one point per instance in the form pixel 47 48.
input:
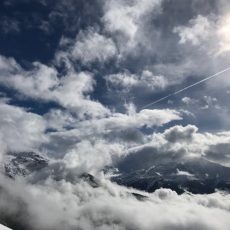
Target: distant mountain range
pixel 196 175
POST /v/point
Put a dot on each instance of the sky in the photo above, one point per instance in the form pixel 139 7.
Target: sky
pixel 75 79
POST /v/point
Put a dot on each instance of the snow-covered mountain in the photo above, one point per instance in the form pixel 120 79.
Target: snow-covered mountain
pixel 23 163
pixel 196 175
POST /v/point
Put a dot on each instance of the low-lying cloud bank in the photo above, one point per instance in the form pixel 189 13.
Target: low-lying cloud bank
pixel 62 205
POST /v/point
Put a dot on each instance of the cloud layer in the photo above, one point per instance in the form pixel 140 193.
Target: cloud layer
pixel 65 206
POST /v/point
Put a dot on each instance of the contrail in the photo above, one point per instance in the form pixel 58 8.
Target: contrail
pixel 187 87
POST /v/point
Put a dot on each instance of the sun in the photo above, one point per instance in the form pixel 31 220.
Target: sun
pixel 223 32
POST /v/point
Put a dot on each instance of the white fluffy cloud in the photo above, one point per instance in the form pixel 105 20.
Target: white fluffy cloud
pixel 124 16
pixel 180 133
pixel 184 142
pixel 92 156
pixel 125 20
pixel 146 117
pixel 88 47
pixel 210 32
pixel 108 135
pixel 223 32
pixel 91 46
pixel 42 82
pixel 87 133
pixel 19 129
pixel 36 83
pixel 120 121
pixel 198 31
pixel 66 206
pixel 126 81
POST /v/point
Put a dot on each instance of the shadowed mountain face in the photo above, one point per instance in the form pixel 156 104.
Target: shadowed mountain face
pixel 196 175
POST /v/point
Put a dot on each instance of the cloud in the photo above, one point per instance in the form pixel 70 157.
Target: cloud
pixel 81 119
pixel 219 153
pixel 66 206
pixel 189 101
pixel 91 46
pixel 92 156
pixel 199 143
pixel 8 65
pixel 59 119
pixel 120 16
pixel 126 81
pixel 147 44
pixel 20 130
pixel 145 117
pixel 198 31
pixel 209 31
pixel 174 145
pixel 210 110
pixel 88 47
pixel 120 121
pixel 42 82
pixel 223 32
pixel 184 173
pixel 126 19
pixel 117 130
pixel 179 133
